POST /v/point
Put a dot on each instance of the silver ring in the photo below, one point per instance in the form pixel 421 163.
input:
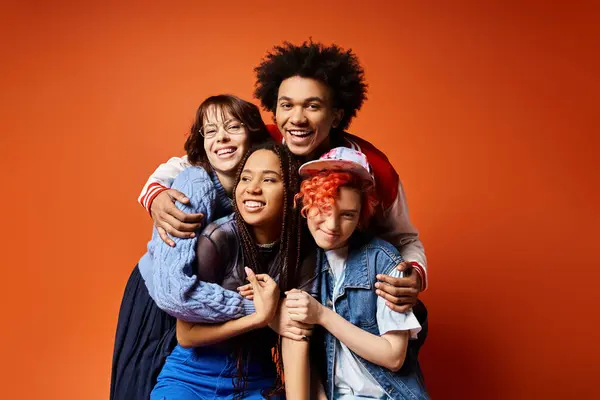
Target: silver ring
pixel 305 338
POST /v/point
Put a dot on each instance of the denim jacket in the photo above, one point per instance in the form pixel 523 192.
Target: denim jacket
pixel 357 303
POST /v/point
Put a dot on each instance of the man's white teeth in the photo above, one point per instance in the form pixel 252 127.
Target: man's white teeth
pixel 226 150
pixel 253 204
pixel 300 133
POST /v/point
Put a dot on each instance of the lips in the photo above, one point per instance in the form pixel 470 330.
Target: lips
pixel 253 205
pixel 300 134
pixel 329 235
pixel 226 152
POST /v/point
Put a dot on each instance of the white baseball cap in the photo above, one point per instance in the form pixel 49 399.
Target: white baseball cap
pixel 339 159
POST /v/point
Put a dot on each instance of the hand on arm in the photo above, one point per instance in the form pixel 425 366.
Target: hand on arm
pixel 265 301
pixel 282 323
pixel 170 220
pixel 400 293
pixel 387 351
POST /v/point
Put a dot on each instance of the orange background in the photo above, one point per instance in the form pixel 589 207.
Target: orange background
pixel 488 112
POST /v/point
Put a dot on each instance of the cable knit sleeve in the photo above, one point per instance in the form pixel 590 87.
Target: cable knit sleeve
pixel 169 275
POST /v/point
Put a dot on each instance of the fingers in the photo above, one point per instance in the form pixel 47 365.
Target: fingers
pixel 246 291
pixel 266 282
pixel 289 335
pixel 244 287
pixel 299 325
pixel 252 278
pixel 299 331
pixel 177 195
pixel 296 294
pixel 396 282
pixel 171 209
pixel 299 316
pixel 264 278
pixel 165 238
pixel 295 304
pixel 163 208
pixel 402 291
pixel 404 267
pixel 297 334
pixel 192 218
pixel 178 228
pixel 399 300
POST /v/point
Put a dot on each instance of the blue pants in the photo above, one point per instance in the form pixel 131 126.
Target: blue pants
pixel 208 372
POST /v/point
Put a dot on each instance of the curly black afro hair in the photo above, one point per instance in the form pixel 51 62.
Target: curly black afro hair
pixel 337 68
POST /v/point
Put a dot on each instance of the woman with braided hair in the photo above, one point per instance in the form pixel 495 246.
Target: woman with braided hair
pixel 224 128
pixel 234 359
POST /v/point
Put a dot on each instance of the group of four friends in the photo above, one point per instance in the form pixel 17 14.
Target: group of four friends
pixel 280 253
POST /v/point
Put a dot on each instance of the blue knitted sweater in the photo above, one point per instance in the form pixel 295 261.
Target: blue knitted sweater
pixel 167 270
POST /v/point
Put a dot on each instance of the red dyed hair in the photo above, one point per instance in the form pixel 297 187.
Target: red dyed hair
pixel 322 189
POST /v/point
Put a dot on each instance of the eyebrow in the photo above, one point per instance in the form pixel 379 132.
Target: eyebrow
pixel 308 100
pixel 264 171
pixel 354 210
pixel 224 122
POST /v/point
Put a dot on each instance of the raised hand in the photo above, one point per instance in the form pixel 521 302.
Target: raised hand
pixel 266 295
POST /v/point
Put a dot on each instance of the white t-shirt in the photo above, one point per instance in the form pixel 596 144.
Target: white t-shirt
pixel 352 379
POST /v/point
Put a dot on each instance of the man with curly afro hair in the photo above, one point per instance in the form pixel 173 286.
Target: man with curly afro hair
pixel 335 78
pixel 314 91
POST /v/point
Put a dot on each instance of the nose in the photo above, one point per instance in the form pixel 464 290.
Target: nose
pixel 254 187
pixel 332 221
pixel 222 135
pixel 297 117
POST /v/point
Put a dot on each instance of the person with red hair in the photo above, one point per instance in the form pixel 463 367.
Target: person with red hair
pixel 366 344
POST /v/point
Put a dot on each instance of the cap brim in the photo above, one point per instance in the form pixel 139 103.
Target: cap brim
pixel 312 168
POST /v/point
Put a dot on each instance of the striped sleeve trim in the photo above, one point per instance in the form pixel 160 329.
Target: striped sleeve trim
pixel 154 189
pixel 422 273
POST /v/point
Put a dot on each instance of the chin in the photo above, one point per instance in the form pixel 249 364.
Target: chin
pixel 324 245
pixel 252 220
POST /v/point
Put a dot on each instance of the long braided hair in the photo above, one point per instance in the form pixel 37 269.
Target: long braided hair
pixel 289 257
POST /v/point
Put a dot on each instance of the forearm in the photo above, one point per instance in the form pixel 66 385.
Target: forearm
pixel 197 335
pixel 373 348
pixel 206 303
pixel 187 298
pixel 394 226
pixel 296 368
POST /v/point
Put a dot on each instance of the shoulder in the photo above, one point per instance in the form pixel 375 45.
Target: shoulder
pixel 386 177
pixel 222 227
pixel 196 178
pixel 193 173
pixel 378 251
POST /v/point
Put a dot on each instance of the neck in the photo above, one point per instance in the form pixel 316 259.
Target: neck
pixel 227 180
pixel 321 149
pixel 266 234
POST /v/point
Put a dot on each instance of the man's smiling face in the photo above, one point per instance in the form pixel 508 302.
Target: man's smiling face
pixel 305 116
